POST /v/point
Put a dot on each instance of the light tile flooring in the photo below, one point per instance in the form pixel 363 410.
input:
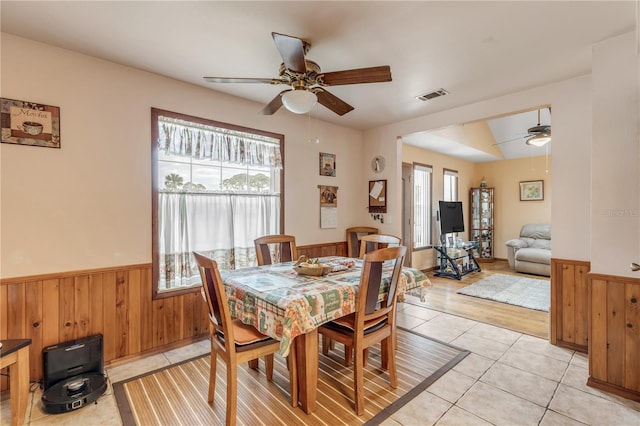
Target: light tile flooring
pixel 508 379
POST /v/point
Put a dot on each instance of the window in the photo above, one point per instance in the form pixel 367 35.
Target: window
pixel 450 190
pixel 421 206
pixel 216 188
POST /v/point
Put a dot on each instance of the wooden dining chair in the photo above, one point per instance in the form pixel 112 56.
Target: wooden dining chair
pixel 236 342
pixel 283 248
pixel 353 238
pixel 377 241
pixel 369 242
pixel 372 321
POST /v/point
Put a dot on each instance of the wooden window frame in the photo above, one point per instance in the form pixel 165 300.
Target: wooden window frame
pixel 155 113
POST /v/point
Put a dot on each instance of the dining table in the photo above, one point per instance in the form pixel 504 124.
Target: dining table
pixel 288 306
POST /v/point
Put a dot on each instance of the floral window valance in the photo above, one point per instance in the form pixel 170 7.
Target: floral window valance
pixel 207 142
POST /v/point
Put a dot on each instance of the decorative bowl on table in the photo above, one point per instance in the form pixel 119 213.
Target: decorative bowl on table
pixel 304 266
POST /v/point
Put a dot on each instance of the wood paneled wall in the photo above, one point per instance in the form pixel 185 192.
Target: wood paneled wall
pixel 323 250
pixel 115 302
pixel 614 327
pixel 569 309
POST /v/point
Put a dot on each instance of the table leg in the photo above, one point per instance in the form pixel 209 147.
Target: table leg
pixel 307 356
pixel 19 382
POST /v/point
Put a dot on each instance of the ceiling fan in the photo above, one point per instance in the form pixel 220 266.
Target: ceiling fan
pixel 307 81
pixel 538 135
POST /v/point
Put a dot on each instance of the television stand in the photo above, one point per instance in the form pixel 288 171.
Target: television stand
pixel 456 262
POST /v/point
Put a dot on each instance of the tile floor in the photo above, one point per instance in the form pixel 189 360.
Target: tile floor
pixel 508 379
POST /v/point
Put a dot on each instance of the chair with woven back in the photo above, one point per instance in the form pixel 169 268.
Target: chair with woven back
pixel 353 238
pixel 373 321
pixel 377 241
pixel 236 342
pixel 283 247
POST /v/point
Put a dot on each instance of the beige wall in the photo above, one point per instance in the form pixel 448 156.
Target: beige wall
pixel 411 154
pixel 88 204
pixel 505 176
pixel 571 168
pixel 509 212
pixel 615 182
pixel 595 127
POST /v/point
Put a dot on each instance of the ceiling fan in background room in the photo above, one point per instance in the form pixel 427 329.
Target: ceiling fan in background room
pixel 307 81
pixel 538 135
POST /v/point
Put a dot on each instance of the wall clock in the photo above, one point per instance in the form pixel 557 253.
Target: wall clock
pixel 377 164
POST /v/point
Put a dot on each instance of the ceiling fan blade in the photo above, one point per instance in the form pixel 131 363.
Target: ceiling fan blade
pixel 273 105
pixel 292 51
pixel 242 80
pixel 357 76
pixel 332 102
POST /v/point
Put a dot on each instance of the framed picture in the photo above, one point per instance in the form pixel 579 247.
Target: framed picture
pixel 328 196
pixel 532 190
pixel 29 123
pixel 327 164
pixel 378 196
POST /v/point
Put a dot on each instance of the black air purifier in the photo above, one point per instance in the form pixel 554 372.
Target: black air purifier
pixel 73 374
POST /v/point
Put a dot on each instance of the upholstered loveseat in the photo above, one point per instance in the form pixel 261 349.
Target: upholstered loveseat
pixel 531 253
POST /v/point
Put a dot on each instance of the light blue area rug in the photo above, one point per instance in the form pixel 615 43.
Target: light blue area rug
pixel 512 289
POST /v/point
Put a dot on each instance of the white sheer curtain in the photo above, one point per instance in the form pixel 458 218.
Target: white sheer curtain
pixel 177 137
pixel 222 226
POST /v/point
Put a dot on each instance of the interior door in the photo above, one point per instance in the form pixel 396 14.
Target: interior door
pixel 407 202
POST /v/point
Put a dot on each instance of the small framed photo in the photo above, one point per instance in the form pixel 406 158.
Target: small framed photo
pixel 29 123
pixel 328 196
pixel 327 164
pixel 532 190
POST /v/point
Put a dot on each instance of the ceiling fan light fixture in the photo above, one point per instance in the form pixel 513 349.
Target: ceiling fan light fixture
pixel 299 101
pixel 541 139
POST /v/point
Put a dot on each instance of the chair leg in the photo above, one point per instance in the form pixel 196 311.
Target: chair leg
pixel 232 393
pixel 348 355
pixel 358 379
pixel 212 374
pixel 253 364
pixel 326 344
pixel 384 355
pixel 395 337
pixel 391 364
pixel 268 366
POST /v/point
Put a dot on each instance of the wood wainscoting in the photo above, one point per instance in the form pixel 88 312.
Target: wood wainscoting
pixel 569 312
pixel 614 327
pixel 115 302
pixel 323 250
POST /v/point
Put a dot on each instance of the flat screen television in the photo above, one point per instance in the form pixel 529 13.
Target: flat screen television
pixel 451 217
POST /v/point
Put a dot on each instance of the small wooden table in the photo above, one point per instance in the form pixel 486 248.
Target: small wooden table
pixel 14 354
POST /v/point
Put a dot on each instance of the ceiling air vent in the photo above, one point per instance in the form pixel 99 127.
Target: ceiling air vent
pixel 434 94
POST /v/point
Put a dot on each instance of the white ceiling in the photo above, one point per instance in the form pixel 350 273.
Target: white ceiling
pixel 508 133
pixel 475 50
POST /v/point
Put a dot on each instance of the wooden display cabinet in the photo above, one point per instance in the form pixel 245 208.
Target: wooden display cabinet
pixel 481 222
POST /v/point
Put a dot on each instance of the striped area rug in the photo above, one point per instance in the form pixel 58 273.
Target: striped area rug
pixel 177 395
